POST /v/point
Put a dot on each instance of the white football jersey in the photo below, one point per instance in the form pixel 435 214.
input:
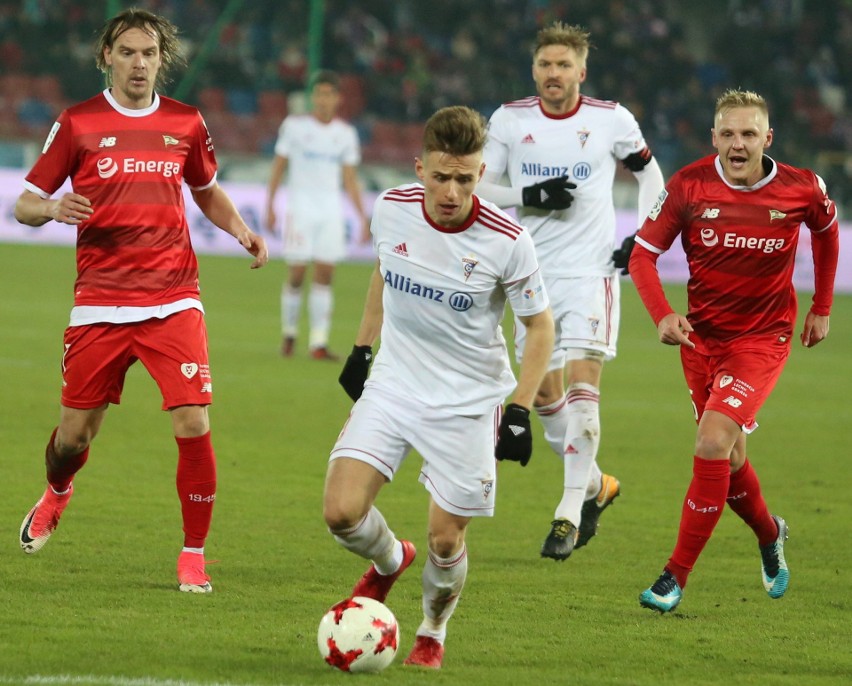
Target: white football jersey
pixel 316 153
pixel 444 298
pixel 585 144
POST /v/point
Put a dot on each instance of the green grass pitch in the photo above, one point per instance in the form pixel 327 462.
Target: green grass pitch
pixel 99 604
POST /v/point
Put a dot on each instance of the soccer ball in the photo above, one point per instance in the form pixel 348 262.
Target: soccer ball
pixel 358 635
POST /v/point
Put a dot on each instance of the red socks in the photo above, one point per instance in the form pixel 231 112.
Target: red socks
pixel 745 498
pixel 61 470
pixel 702 507
pixel 196 486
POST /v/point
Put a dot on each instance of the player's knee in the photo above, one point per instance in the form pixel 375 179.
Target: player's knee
pixel 71 444
pixel 340 518
pixel 709 446
pixel 445 544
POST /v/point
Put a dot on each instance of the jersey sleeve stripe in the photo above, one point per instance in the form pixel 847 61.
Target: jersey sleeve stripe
pixel 492 221
pixel 595 102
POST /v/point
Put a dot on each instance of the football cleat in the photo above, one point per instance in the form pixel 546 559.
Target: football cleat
pixel 41 521
pixel 427 652
pixel 561 540
pixel 593 509
pixel 323 353
pixel 377 586
pixel 288 346
pixel 191 575
pixel 664 595
pixel 774 570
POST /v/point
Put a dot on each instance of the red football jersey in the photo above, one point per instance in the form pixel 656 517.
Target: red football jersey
pixel 135 248
pixel 740 243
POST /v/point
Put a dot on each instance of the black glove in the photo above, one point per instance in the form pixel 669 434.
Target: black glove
pixel 552 194
pixel 514 437
pixel 621 256
pixel 356 370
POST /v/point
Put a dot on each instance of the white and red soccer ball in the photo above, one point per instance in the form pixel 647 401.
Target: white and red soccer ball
pixel 358 635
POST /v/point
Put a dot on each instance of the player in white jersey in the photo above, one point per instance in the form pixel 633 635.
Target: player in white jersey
pixel 559 150
pixel 447 264
pixel 320 154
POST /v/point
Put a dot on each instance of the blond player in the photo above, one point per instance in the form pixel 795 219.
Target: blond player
pixel 559 151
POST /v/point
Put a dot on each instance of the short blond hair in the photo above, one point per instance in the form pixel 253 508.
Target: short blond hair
pixel 456 131
pixel 740 98
pixel 570 36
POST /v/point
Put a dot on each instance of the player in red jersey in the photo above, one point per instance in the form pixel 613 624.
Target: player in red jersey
pixel 738 214
pixel 127 152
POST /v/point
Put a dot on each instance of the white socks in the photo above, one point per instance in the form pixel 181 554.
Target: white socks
pixel 582 438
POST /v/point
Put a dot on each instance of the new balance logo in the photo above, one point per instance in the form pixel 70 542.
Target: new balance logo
pixel 710 213
pixel 401 249
pixel 732 401
pixel 528 139
pixel 107 142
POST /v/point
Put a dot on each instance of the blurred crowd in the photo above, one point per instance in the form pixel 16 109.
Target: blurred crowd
pixel 666 61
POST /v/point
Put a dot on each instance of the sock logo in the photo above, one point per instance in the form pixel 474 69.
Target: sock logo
pixel 701 510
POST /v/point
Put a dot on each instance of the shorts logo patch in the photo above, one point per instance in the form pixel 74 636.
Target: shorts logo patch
pixel 487 487
pixel 189 369
pixel 725 381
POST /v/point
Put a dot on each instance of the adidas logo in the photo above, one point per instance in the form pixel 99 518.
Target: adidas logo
pixel 401 249
pixel 570 450
pixel 528 139
pixel 517 430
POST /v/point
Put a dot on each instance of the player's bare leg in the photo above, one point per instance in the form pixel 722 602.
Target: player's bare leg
pixel 351 488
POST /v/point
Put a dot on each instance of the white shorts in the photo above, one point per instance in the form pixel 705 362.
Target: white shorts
pixel 314 233
pixel 459 469
pixel 586 313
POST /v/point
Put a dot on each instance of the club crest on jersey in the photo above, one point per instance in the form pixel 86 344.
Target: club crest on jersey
pixel 469 264
pixel 776 214
pixel 583 136
pixel 170 140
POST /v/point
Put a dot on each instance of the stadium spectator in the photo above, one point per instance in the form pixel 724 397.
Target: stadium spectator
pixel 447 264
pixel 319 152
pixel 738 215
pixel 560 150
pixel 127 151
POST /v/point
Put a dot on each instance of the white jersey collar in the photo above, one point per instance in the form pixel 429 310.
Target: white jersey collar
pixel 126 111
pixel 773 171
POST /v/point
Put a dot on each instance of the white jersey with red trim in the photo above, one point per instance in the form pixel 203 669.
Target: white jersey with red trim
pixel 316 152
pixel 585 144
pixel 444 296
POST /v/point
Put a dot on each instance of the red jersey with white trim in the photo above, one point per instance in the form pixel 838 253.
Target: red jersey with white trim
pixel 530 145
pixel 444 296
pixel 740 243
pixel 135 248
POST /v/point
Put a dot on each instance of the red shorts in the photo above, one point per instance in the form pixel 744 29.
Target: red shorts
pixel 735 382
pixel 173 350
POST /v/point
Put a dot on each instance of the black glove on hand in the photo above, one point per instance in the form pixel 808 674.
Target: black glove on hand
pixel 621 256
pixel 552 194
pixel 514 437
pixel 356 370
